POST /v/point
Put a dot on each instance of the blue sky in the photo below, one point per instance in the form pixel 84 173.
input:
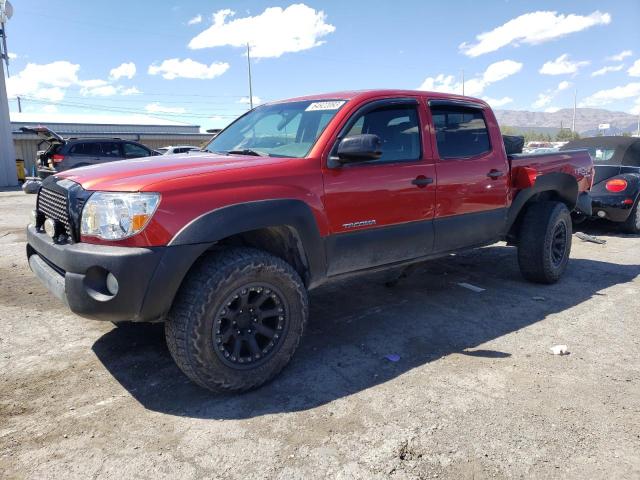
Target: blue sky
pixel 518 54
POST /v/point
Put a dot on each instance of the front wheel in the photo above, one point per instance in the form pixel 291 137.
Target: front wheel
pixel 544 242
pixel 237 319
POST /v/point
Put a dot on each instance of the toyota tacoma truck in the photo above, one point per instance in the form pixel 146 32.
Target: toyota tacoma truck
pixel 223 245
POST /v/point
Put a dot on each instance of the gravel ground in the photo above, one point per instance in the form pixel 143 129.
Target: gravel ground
pixel 475 393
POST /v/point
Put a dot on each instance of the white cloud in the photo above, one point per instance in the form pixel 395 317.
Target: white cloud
pixel 52 80
pixel 543 99
pixel 562 66
pixel 441 83
pixel 155 107
pixel 620 56
pixel 634 70
pixel 551 109
pixel 607 69
pixel 635 110
pixel 547 96
pixel 44 81
pixel 604 97
pixel 195 20
pixel 533 28
pixel 50 109
pixel 272 33
pixel 100 88
pixel 497 102
pixel 245 100
pixel 12 56
pixel 130 91
pixel 474 86
pixel 123 70
pixel 187 68
pixel 500 70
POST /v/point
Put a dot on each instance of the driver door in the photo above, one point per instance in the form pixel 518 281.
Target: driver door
pixel 381 211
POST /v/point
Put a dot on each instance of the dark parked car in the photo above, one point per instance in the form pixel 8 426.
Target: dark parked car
pixel 65 153
pixel 616 185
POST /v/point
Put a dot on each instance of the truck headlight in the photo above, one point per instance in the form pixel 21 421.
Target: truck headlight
pixel 114 216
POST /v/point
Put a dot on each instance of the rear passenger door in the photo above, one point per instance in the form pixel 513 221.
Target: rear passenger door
pixel 472 174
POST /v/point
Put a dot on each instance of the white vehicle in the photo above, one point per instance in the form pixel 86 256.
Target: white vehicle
pixel 177 149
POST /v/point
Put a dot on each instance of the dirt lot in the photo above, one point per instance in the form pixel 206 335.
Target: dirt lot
pixel 475 394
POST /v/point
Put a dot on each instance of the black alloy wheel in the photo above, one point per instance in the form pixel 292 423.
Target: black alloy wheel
pixel 249 327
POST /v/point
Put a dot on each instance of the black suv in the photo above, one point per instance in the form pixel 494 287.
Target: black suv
pixel 63 154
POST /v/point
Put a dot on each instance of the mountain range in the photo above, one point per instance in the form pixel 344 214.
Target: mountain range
pixel 587 121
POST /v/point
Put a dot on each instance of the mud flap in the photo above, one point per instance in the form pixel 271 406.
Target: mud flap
pixel 583 204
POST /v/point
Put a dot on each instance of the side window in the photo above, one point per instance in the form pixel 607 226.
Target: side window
pixel 131 150
pixel 398 128
pixel 89 148
pixel 111 149
pixel 461 132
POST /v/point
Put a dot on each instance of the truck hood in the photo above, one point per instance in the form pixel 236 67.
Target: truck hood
pixel 138 174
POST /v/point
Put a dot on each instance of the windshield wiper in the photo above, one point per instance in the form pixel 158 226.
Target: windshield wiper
pixel 247 151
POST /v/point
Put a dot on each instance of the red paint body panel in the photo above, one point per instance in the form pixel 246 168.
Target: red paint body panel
pixel 192 185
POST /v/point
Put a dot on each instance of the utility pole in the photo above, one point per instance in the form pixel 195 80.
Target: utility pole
pixel 8 175
pixel 250 86
pixel 463 82
pixel 573 123
pixel 19 105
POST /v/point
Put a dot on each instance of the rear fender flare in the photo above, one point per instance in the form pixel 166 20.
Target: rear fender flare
pixel 225 222
pixel 563 185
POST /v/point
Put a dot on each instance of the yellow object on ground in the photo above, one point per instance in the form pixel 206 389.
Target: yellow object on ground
pixel 20 170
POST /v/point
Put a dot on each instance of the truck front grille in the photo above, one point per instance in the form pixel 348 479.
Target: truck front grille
pixel 53 205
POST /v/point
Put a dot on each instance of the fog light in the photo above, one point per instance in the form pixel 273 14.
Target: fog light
pixel 33 217
pixel 601 213
pixel 50 227
pixel 112 283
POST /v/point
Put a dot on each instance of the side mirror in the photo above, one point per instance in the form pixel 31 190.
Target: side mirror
pixel 359 148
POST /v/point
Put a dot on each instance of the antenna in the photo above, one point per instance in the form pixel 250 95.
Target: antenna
pixel 250 86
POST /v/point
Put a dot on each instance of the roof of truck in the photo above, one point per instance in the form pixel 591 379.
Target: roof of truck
pixel 363 94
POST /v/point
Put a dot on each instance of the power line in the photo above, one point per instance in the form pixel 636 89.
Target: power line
pixel 106 108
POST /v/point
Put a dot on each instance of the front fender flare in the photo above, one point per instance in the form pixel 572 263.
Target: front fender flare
pixel 224 222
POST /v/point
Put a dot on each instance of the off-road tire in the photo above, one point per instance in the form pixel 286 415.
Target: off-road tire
pixel 190 322
pixel 540 230
pixel 632 223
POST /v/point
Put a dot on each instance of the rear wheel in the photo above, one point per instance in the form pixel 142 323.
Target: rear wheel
pixel 632 224
pixel 237 319
pixel 544 242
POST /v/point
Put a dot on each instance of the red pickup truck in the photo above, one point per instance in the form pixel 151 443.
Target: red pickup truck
pixel 223 245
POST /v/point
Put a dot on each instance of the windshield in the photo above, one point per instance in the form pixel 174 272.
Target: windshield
pixel 279 130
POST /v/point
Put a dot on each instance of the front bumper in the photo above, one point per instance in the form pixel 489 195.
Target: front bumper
pixel 148 278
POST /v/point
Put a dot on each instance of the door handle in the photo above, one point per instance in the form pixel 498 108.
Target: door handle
pixel 422 181
pixel 495 174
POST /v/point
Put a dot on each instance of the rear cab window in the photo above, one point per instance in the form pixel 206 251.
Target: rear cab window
pixel 461 131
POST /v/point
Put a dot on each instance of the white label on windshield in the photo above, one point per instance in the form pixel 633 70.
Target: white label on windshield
pixel 324 106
